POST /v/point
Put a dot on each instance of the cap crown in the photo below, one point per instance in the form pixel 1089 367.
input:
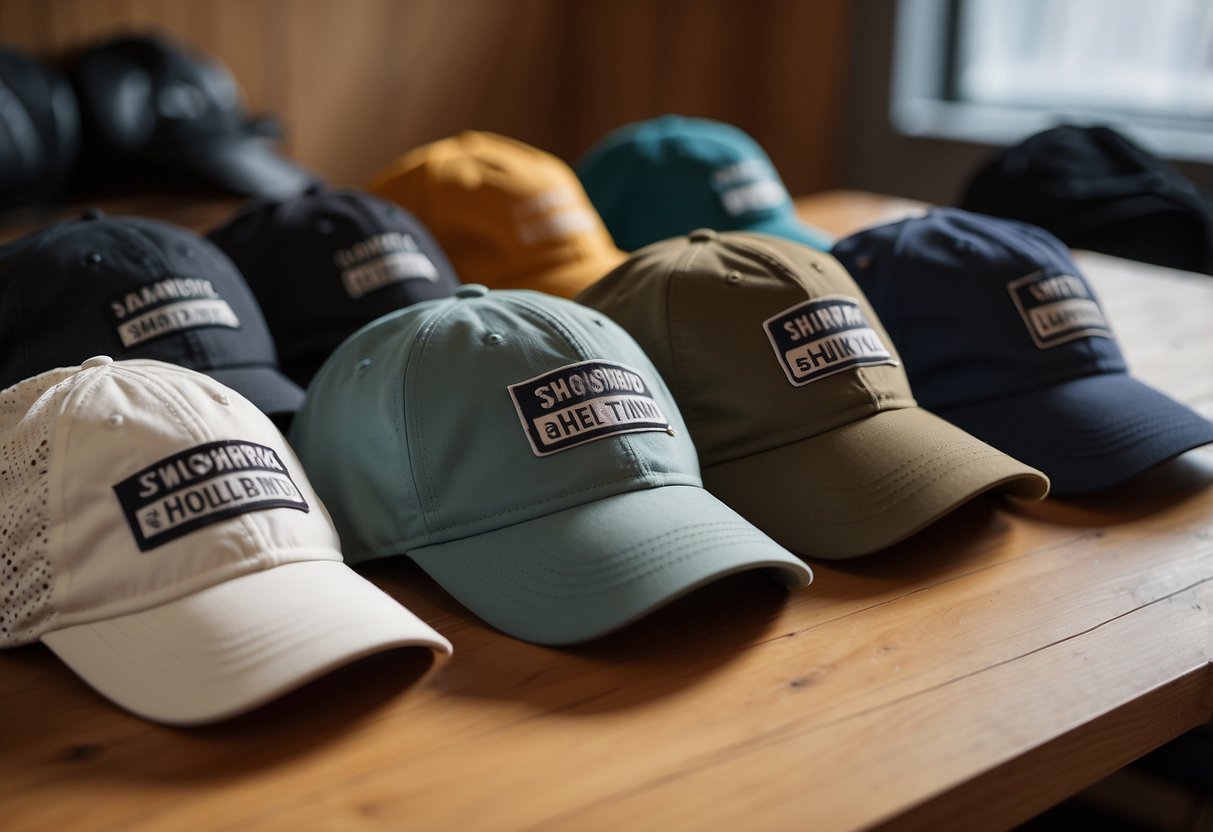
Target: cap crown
pixel 127 485
pixel 710 309
pixel 428 425
pixel 327 262
pixel 503 210
pixel 670 175
pixel 126 287
pixel 981 307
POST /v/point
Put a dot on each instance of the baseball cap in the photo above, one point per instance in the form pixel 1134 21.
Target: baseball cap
pixel 39 130
pixel 671 175
pixel 164 542
pixel 134 288
pixel 794 394
pixel 325 262
pixel 153 108
pixel 510 216
pixel 1003 336
pixel 1096 189
pixel 524 452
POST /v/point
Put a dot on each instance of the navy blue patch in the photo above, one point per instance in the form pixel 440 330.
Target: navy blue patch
pixel 581 402
pixel 203 485
pixel 168 306
pixel 821 337
pixel 1058 309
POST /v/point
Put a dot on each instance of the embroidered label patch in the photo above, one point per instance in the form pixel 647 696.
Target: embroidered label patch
pixel 579 403
pixel 821 337
pixel 169 306
pixel 203 485
pixel 381 261
pixel 1058 309
pixel 747 186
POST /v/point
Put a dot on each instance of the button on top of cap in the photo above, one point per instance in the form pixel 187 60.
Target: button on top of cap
pixel 92 214
pixel 702 235
pixel 96 361
pixel 471 290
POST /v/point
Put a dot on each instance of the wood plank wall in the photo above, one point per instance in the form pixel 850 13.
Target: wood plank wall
pixel 357 82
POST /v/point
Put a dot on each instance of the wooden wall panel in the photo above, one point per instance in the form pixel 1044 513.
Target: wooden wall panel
pixel 356 83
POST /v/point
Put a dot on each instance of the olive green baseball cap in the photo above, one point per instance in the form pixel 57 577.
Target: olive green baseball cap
pixel 523 450
pixel 795 395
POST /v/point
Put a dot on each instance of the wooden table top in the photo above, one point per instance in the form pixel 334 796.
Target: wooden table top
pixel 967 678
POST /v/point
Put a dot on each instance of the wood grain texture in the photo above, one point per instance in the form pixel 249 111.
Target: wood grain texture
pixel 357 83
pixel 968 678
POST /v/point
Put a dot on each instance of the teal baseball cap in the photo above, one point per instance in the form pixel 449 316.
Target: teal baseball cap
pixel 667 176
pixel 523 450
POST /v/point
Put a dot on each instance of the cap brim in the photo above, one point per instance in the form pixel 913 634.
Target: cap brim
pixel 588 570
pixel 790 228
pixel 272 392
pixel 236 645
pixel 568 279
pixel 868 484
pixel 246 165
pixel 1089 433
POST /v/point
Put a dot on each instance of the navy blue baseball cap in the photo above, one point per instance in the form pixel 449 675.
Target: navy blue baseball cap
pixel 668 176
pixel 327 262
pixel 1003 336
pixel 131 287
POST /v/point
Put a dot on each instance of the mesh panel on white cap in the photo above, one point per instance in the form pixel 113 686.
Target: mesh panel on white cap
pixel 26 608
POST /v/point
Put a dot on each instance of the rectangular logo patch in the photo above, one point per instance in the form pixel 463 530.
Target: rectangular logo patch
pixel 824 336
pixel 169 306
pixel 1058 309
pixel 382 260
pixel 581 402
pixel 203 485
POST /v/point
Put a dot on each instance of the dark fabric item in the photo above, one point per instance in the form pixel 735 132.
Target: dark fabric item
pixel 39 131
pixel 153 110
pixel 1095 189
pixel 1002 336
pixel 129 287
pixel 326 263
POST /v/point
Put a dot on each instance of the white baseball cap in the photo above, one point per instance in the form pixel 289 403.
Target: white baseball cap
pixel 162 539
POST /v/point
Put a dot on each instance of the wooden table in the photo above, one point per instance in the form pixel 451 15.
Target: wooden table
pixel 966 679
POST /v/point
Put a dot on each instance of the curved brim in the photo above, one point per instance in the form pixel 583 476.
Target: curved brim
pixel 868 484
pixel 791 228
pixel 238 644
pixel 568 279
pixel 585 571
pixel 266 387
pixel 247 166
pixel 1089 433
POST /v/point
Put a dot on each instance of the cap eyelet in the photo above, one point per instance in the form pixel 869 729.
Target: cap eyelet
pixel 222 398
pixel 732 277
pixel 817 267
pixel 93 259
pixel 116 420
pixel 494 338
pixel 363 366
pixel 185 251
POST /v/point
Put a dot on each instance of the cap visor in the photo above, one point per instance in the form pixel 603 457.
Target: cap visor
pixel 246 165
pixel 585 571
pixel 1089 433
pixel 793 229
pixel 238 644
pixel 567 279
pixel 867 484
pixel 273 393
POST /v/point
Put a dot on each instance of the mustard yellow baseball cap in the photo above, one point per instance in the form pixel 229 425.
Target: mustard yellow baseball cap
pixel 794 394
pixel 509 215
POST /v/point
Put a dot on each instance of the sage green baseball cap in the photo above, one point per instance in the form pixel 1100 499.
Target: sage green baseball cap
pixel 523 450
pixel 795 395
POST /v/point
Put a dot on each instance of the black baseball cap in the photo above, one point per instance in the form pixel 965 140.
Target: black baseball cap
pixel 152 107
pixel 1002 335
pixel 327 262
pixel 1096 189
pixel 39 130
pixel 130 287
